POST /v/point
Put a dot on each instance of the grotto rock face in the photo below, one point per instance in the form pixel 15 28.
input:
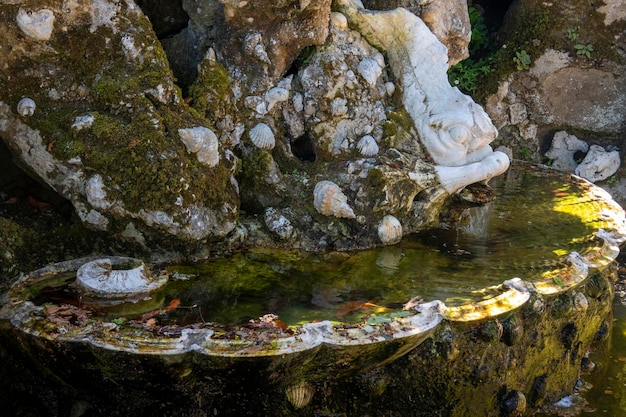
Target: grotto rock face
pixel 574 81
pixel 265 120
pixel 104 129
pixel 263 38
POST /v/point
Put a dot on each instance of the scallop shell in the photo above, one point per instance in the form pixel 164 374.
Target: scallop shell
pixel 329 200
pixel 389 230
pixel 300 395
pixel 367 146
pixel 262 136
pixel 276 95
pixel 203 142
pixel 26 107
pixel 370 70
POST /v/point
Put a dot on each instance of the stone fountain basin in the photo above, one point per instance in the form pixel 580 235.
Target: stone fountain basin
pixel 567 290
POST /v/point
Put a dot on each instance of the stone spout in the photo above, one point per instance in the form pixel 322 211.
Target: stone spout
pixel 455 130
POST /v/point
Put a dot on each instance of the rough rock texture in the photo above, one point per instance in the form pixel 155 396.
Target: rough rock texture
pixel 261 39
pixel 104 133
pixel 280 102
pixel 598 164
pixel 563 151
pixel 567 85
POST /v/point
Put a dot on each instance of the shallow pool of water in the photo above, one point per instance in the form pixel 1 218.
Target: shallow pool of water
pixel 536 219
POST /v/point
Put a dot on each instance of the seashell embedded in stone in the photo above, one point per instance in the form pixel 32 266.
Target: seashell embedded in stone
pixel 117 277
pixel 329 200
pixel 339 20
pixel 389 230
pixel 367 146
pixel 26 107
pixel 370 70
pixel 37 25
pixel 276 95
pixel 262 136
pixel 512 331
pixel 203 142
pixel 580 302
pixel 379 58
pixel 513 404
pixel 299 396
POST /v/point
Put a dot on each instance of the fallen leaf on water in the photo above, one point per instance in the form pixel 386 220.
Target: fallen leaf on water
pixel 172 305
pixel 351 306
pixel 347 308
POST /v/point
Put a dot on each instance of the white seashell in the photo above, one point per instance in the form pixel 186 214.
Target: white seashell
pixel 580 302
pixel 37 25
pixel 329 200
pixel 370 71
pixel 203 142
pixel 300 395
pixel 339 20
pixel 83 122
pixel 390 87
pixel 389 230
pixel 379 58
pixel 116 278
pixel 367 146
pixel 276 95
pixel 26 107
pixel 262 136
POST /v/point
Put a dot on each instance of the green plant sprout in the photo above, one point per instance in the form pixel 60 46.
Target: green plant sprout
pixel 522 60
pixel 468 73
pixel 585 50
pixel 572 33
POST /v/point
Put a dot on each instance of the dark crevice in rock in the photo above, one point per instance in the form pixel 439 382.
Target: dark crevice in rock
pixel 303 149
pixel 20 189
pixel 493 11
pixel 167 17
pixel 171 24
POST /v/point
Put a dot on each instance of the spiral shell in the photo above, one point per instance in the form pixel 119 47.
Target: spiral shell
pixel 26 107
pixel 329 200
pixel 389 230
pixel 116 277
pixel 300 395
pixel 370 71
pixel 203 142
pixel 262 136
pixel 367 146
pixel 276 95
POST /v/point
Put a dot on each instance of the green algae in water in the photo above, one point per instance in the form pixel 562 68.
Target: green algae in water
pixel 538 217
